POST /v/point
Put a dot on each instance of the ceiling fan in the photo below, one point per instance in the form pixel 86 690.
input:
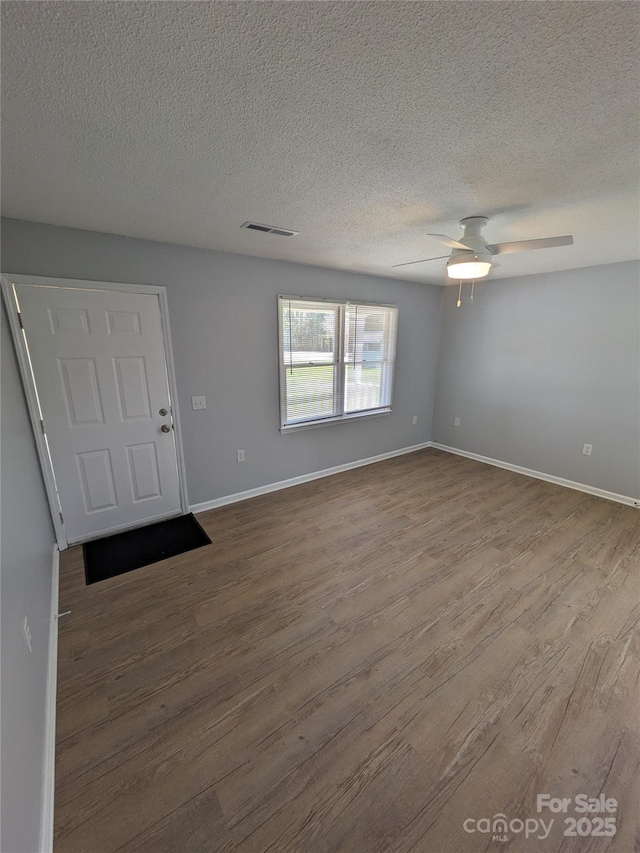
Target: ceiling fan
pixel 472 257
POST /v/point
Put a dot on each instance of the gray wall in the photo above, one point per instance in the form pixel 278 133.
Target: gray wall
pixel 25 588
pixel 539 365
pixel 223 315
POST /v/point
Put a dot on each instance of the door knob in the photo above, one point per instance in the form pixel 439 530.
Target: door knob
pixel 162 412
pixel 165 428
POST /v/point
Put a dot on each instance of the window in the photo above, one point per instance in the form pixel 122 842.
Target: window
pixel 336 360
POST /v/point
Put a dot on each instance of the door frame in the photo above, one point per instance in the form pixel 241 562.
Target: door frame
pixel 7 282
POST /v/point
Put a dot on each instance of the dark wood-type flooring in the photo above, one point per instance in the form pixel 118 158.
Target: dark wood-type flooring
pixel 358 664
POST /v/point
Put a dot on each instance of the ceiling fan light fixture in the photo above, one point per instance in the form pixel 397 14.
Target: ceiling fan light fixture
pixel 473 258
pixel 464 269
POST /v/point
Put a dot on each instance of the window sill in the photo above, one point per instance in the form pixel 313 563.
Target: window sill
pixel 327 421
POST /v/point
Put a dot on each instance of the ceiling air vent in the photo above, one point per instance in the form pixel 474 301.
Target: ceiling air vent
pixel 269 229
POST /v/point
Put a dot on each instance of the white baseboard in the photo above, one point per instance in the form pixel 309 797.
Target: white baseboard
pixel 359 463
pixel 540 475
pixel 305 478
pixel 49 764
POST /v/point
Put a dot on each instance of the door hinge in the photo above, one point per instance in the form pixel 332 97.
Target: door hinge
pixel 42 426
pixel 61 518
pixel 20 320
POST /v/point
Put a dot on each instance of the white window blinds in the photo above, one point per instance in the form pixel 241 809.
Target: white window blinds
pixel 336 360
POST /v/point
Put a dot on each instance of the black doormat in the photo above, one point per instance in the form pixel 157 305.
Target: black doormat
pixel 123 552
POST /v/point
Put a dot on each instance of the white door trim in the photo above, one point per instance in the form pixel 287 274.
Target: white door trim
pixel 7 280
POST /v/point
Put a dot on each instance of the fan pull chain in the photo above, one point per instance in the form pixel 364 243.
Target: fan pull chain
pixel 459 302
pixel 473 284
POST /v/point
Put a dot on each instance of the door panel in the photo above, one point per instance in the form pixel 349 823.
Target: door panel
pixel 69 320
pixel 80 388
pixel 143 471
pixel 123 321
pixel 96 478
pixel 133 387
pixel 98 360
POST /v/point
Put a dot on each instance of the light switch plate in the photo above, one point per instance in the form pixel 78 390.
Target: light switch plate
pixel 198 403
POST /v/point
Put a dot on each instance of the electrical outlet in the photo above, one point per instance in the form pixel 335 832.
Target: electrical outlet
pixel 414 420
pixel 456 421
pixel 586 450
pixel 198 403
pixel 27 634
pixel 239 455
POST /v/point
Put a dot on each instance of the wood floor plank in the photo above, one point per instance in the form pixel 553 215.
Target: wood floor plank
pixel 198 826
pixel 357 664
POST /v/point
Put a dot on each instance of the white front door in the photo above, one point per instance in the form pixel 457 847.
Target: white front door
pixel 99 365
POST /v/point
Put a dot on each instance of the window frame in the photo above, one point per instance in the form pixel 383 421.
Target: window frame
pixel 340 363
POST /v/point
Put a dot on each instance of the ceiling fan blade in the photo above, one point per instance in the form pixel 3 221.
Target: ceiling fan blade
pixel 527 245
pixel 422 261
pixel 448 241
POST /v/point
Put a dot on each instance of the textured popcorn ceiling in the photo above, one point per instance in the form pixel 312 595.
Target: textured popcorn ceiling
pixel 361 125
